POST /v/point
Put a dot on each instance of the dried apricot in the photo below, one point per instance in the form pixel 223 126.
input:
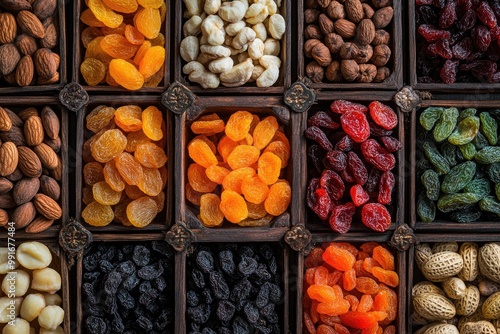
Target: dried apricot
pixel 123 6
pixel 134 139
pixel 281 150
pixel 254 190
pixel 392 308
pixel 93 71
pixel 201 153
pixel 338 258
pixel 150 155
pixel 225 146
pixel 126 74
pixel 88 34
pixel 94 50
pixel 206 125
pixel 280 196
pixel 142 211
pixel 217 173
pixel 112 176
pixel 233 206
pixel 338 307
pixel 141 52
pixel 349 280
pixel 133 35
pixel 368 247
pixel 152 61
pixel 358 320
pixel 210 212
pixel 247 141
pixel 198 179
pixel 264 132
pixel 148 22
pixel 150 184
pixel 384 257
pixel 365 303
pixel 104 14
pixel 366 285
pixel 369 263
pixel 243 156
pixel 256 211
pixel 269 167
pixel 129 168
pixel 192 195
pixel 99 117
pixel 108 146
pixel 92 173
pixel 234 179
pixel 104 194
pixel 96 214
pixel 353 301
pixel 387 277
pixel 88 18
pixel 152 119
pixel 322 293
pixel 238 125
pixel 151 3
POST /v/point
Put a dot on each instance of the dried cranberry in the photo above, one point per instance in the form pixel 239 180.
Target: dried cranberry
pixel 495 5
pixel 345 144
pixel 316 134
pixel 343 106
pixel 486 15
pixel 323 120
pixel 355 125
pixel 358 195
pixel 377 155
pixel 373 180
pixel 332 183
pixel 387 182
pixel 318 199
pixel 376 217
pixel 448 15
pixel 378 131
pixel 480 67
pixel 341 217
pixel 357 167
pixel 464 5
pixel 481 37
pixel 427 15
pixel 347 176
pixel 449 71
pixel 335 160
pixel 443 49
pixel 431 34
pixel 462 49
pixel 383 115
pixel 315 153
pixel 431 51
pixel 391 144
pixel 467 21
pixel 493 52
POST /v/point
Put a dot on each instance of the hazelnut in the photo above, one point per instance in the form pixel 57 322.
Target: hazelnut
pixel 349 69
pixel 315 72
pixel 312 31
pixel 365 32
pixel 381 37
pixel 383 17
pixel 321 54
pixel 334 42
pixel 349 50
pixel 345 28
pixel 333 72
pixel 336 10
pixel 368 11
pixel 381 55
pixel 368 73
pixel 311 15
pixel 311 4
pixel 381 3
pixel 308 46
pixel 382 74
pixel 324 3
pixel 364 55
pixel 325 24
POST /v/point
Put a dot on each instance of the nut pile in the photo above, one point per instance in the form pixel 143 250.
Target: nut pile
pixel 458 165
pixel 124 171
pixel 348 40
pixel 123 42
pixel 234 288
pixel 32 289
pixel 461 290
pixel 28 33
pixel 355 173
pixel 457 41
pixel 128 289
pixel 349 289
pixel 233 42
pixel 242 160
pixel 30 168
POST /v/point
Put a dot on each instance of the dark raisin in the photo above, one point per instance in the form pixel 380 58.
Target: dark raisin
pixel 125 299
pixel 126 268
pixel 150 272
pixel 117 325
pixel 198 278
pixel 262 297
pixel 90 262
pixel 144 323
pixel 270 314
pixel 131 282
pixel 160 284
pixel 205 261
pixel 225 310
pixel 141 256
pixel 89 293
pixel 240 326
pixel 96 325
pixel 192 298
pixel 199 314
pixel 112 282
pixel 226 262
pixel 219 285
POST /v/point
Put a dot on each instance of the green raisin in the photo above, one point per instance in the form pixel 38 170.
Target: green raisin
pixel 480 141
pixel 449 152
pixel 430 181
pixel 490 204
pixel 466 113
pixel 426 209
pixel 429 117
pixel 452 202
pixel 446 124
pixel 493 172
pixel 465 132
pixel 468 151
pixel 458 177
pixel 488 155
pixel 489 127
pixel 497 190
pixel 479 186
pixel 465 216
pixel 437 160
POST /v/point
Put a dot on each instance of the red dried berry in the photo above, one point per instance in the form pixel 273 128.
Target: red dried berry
pixel 333 184
pixel 348 176
pixel 387 182
pixel 486 15
pixel 449 71
pixel 462 49
pixel 323 120
pixel 373 180
pixel 343 106
pixel 355 125
pixel 316 134
pixel 345 144
pixel 423 2
pixel 481 37
pixel 341 217
pixel 358 195
pixel 467 21
pixel 357 168
pixel 335 160
pixel 443 49
pixel 383 115
pixel 391 144
pixel 431 34
pixel 377 155
pixel 318 202
pixel 448 15
pixel 376 217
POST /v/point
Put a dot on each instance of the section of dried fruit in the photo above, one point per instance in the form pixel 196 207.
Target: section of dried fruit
pixel 351 156
pixel 237 168
pixel 347 289
pixel 123 42
pixel 348 41
pixel 29 39
pixel 30 168
pixel 125 166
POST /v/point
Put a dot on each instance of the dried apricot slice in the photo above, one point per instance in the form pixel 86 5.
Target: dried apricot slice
pixel 150 184
pixel 96 214
pixel 208 126
pixel 264 132
pixel 234 179
pixel 150 155
pixel 88 18
pixel 152 61
pixel 117 46
pixel 201 153
pixel 233 206
pixel 280 149
pixel 108 146
pixel 93 71
pixel 280 196
pixel 243 156
pixel 123 6
pixel 238 125
pixel 112 176
pixel 269 167
pixel 254 190
pixel 225 146
pixel 134 139
pixel 151 123
pixel 148 22
pixel 129 168
pixel 126 74
pixel 99 117
pixel 198 179
pixel 92 173
pixel 217 173
pixel 104 14
pixel 210 212
pixel 133 35
pixel 104 194
pixel 142 211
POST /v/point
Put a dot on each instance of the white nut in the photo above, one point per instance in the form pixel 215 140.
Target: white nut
pixel 18 326
pixel 238 51
pixel 8 305
pixel 212 6
pixel 52 299
pixel 192 27
pixel 190 48
pixel 197 73
pixel 245 36
pixel 271 5
pixel 213 29
pixel 51 317
pixel 46 280
pixel 269 77
pixel 238 75
pixel 272 47
pixel 33 255
pixel 256 49
pixel 254 10
pixel 193 7
pixel 233 29
pixel 232 11
pixel 203 40
pixel 16 282
pixel 277 26
pixel 5 265
pixel 205 58
pixel 257 72
pixel 221 65
pixel 58 330
pixel 32 305
pixel 218 51
pixel 261 17
pixel 267 61
pixel 242 57
pixel 260 31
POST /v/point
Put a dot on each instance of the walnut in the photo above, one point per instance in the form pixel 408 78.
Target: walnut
pixel 315 72
pixel 333 72
pixel 349 69
pixel 334 42
pixel 381 3
pixel 381 55
pixel 381 37
pixel 308 46
pixel 324 3
pixel 365 32
pixel 325 24
pixel 364 55
pixel 336 10
pixel 368 11
pixel 312 31
pixel 311 4
pixel 368 73
pixel 349 50
pixel 382 74
pixel 311 15
pixel 321 54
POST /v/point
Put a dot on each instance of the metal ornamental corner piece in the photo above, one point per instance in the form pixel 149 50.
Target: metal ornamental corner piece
pixel 73 96
pixel 299 97
pixel 298 238
pixel 73 238
pixel 407 99
pixel 179 237
pixel 178 98
pixel 403 238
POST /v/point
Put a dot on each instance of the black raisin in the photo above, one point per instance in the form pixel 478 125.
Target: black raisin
pixel 141 256
pixel 106 266
pixel 262 297
pixel 207 330
pixel 152 307
pixel 112 283
pixel 192 298
pixel 199 314
pixel 219 285
pixel 207 296
pixel 131 282
pixel 150 272
pixel 125 299
pixel 148 297
pixel 91 276
pixel 205 261
pixel 225 310
pixel 89 293
pixel 198 278
pixel 251 312
pixel 227 262
pixel 143 322
pixel 96 325
pixel 270 314
pixel 261 272
pixel 275 292
pixel 163 248
pixel 117 325
pixel 109 253
pixel 110 306
pixel 165 318
pixel 127 248
pixel 247 265
pixel 91 262
pixel 240 326
pixel 241 290
pixel 160 284
pixel 144 287
pixel 126 268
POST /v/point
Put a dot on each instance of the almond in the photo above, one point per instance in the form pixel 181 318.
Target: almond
pixel 8 158
pixel 27 113
pixel 47 207
pixel 47 156
pixel 4 217
pixel 25 71
pixel 49 81
pixel 5 121
pixel 16 121
pixel 30 24
pixel 354 10
pixel 15 176
pixel 54 144
pixel 44 8
pixel 5 185
pixel 38 225
pixel 25 189
pixel 50 122
pixel 45 63
pixel 10 57
pixel 345 28
pixel 33 131
pixel 8 28
pixel 29 163
pixel 365 32
pixel 14 135
pixel 26 44
pixel 56 173
pixel 51 37
pixel 7 201
pixel 15 5
pixel 50 187
pixel 383 17
pixel 23 215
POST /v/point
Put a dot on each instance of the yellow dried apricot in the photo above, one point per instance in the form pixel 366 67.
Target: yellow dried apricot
pixel 201 153
pixel 151 3
pixel 217 173
pixel 247 141
pixel 256 211
pixel 96 214
pixel 152 119
pixel 269 167
pixel 112 176
pixel 264 132
pixel 129 117
pixel 129 168
pixel 99 117
pixel 155 79
pixel 238 125
pixel 93 71
pixel 280 149
pixel 148 22
pixel 234 179
pixel 108 146
pixel 254 189
pixel 122 6
pixel 163 11
pixel 133 35
pixel 104 194
pixel 141 52
pixel 88 18
pixel 225 146
pixel 152 61
pixel 126 74
pixel 134 139
pixel 117 46
pixel 198 179
pixel 150 155
pixel 150 184
pixel 210 212
pixel 105 14
pixel 280 195
pixel 142 211
pixel 233 206
pixel 208 126
pixel 243 156
pixel 208 142
pixel 88 34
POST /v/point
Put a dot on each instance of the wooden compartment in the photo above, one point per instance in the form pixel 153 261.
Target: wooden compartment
pixel 224 107
pixel 393 82
pixel 286 56
pixel 442 223
pixel 79 7
pixel 357 239
pixel 163 219
pixel 16 105
pixel 397 206
pixel 60 16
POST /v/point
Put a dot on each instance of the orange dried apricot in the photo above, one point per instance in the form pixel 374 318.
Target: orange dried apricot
pixel 392 308
pixel 117 46
pixel 150 155
pixel 152 119
pixel 217 173
pixel 233 206
pixel 142 211
pixel 201 153
pixel 338 258
pixel 104 14
pixel 134 139
pixel 133 35
pixel 320 276
pixel 358 320
pixel 93 71
pixel 238 125
pixel 366 285
pixel 334 308
pixel 247 141
pixel 150 183
pixel 254 190
pixel 141 52
pixel 88 18
pixel 225 146
pixel 256 211
pixel 129 168
pixel 192 195
pixel 99 117
pixel 322 293
pixel 368 247
pixel 152 61
pixel 96 214
pixel 108 146
pixel 234 179
pixel 349 280
pixel 148 22
pixel 353 301
pixel 126 74
pixel 198 179
pixel 365 303
pixel 314 258
pixel 112 176
pixel 210 212
pixel 369 263
pixel 92 173
pixel 205 125
pixel 325 329
pixel 387 277
pixel 208 142
pixel 243 156
pixel 334 277
pixel 269 167
pixel 280 196
pixel 264 132
pixel 384 257
pixel 281 150
pixel 104 194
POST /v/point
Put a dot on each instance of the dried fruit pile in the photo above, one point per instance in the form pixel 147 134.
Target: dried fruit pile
pixel 29 31
pixel 458 165
pixel 352 154
pixel 30 168
pixel 457 41
pixel 348 40
pixel 242 160
pixel 461 283
pixel 124 171
pixel 123 42
pixel 128 289
pixel 234 288
pixel 347 289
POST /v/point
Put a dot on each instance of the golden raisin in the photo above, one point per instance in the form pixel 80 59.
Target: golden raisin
pixel 254 190
pixel 281 150
pixel 133 35
pixel 112 176
pixel 88 34
pixel 126 74
pixel 152 61
pixel 150 155
pixel 129 168
pixel 208 126
pixel 93 71
pixel 217 173
pixel 134 139
pixel 122 6
pixel 233 206
pixel 129 117
pixel 234 179
pixel 117 46
pixel 104 194
pixel 148 22
pixel 96 214
pixel 198 179
pixel 94 50
pixel 225 146
pixel 201 153
pixel 108 146
pixel 256 211
pixel 210 212
pixel 192 195
pixel 151 123
pixel 141 52
pixel 269 167
pixel 264 132
pixel 92 173
pixel 99 117
pixel 133 192
pixel 151 3
pixel 88 18
pixel 142 211
pixel 150 184
pixel 104 14
pixel 238 125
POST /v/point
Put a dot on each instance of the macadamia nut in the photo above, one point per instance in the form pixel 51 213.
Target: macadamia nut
pixel 5 266
pixel 51 317
pixel 16 282
pixel 32 305
pixel 9 308
pixel 46 280
pixel 52 299
pixel 20 326
pixel 33 255
pixel 58 330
